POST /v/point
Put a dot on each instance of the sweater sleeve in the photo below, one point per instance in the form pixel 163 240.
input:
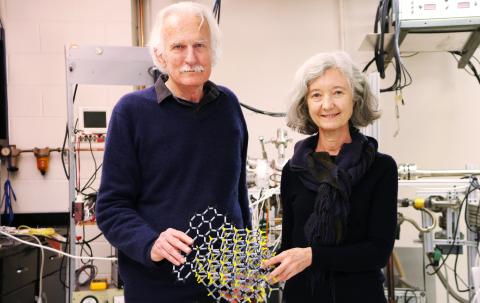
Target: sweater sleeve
pixel 287 213
pixel 373 253
pixel 242 181
pixel 116 211
pixel 242 185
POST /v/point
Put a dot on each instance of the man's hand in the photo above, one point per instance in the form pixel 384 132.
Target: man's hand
pixel 291 261
pixel 168 246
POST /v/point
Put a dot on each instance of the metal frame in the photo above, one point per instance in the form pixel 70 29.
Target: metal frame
pixel 429 26
pixel 101 65
pixel 456 188
pixel 432 26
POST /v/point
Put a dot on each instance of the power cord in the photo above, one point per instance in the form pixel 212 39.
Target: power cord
pixel 67 135
pixel 474 71
pixel 216 10
pixel 90 276
pixel 13 236
pixel 386 10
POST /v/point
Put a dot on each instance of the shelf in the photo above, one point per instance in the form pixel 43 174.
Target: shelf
pixel 432 35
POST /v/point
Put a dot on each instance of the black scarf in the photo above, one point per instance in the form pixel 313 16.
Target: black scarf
pixel 333 182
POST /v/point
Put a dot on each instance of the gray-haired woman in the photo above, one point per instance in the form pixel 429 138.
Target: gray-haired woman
pixel 339 194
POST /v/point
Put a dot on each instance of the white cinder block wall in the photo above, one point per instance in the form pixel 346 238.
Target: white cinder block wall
pixel 36 33
pixel 264 42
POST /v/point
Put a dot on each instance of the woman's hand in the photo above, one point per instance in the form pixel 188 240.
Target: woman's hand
pixel 291 262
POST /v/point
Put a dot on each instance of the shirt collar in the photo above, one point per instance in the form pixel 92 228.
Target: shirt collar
pixel 210 89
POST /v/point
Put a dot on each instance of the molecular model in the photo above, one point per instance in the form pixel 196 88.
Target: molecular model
pixel 228 260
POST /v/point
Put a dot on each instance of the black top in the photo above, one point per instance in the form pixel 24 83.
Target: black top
pixel 355 265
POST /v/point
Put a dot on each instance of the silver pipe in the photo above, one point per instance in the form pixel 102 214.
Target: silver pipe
pixel 410 171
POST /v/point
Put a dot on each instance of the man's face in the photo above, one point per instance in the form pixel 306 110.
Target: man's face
pixel 187 57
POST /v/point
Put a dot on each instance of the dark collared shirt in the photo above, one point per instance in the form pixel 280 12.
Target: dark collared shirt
pixel 210 93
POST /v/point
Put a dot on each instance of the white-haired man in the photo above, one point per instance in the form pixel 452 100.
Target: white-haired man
pixel 172 150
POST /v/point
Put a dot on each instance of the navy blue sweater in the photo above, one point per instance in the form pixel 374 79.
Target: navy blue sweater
pixel 165 160
pixel 355 265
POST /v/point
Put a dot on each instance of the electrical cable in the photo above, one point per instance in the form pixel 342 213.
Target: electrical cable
pixel 88 252
pixel 216 10
pixel 217 7
pixel 67 247
pixel 77 156
pixel 466 70
pixel 42 265
pixel 477 213
pixel 455 274
pixel 446 285
pixel 62 154
pixel 377 58
pixel 67 135
pixel 93 273
pixel 406 294
pixel 93 177
pixel 49 233
pixel 474 71
pixel 12 236
pixel 259 111
pixel 89 180
pixel 94 238
pixel 475 186
pixel 8 193
pixel 411 55
pixel 446 279
pixel 387 14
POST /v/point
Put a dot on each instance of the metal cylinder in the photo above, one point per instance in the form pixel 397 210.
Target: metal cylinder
pixel 410 171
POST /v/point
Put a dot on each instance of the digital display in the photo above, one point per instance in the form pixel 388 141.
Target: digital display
pixel 94 119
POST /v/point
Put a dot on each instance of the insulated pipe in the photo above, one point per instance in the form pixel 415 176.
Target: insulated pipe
pixel 398 265
pixel 410 171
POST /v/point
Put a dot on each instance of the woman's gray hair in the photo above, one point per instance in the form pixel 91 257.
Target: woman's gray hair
pixel 364 101
pixel 156 42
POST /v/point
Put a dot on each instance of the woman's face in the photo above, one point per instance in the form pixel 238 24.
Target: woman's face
pixel 330 101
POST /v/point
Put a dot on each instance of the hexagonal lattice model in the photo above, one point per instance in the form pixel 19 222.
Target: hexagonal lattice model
pixel 228 260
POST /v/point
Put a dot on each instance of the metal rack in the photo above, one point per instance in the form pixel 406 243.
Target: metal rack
pixel 451 189
pixel 447 28
pixel 437 26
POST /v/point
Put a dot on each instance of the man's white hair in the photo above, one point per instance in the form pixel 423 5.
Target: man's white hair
pixel 156 42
